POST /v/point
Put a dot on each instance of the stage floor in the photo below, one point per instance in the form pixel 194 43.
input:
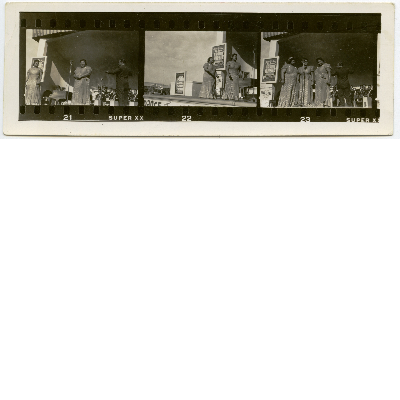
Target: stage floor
pixel 184 101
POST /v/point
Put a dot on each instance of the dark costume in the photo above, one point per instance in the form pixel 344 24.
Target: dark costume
pixel 122 74
pixel 343 85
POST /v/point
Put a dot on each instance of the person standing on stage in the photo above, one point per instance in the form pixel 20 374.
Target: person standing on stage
pixel 343 84
pixel 207 90
pixel 122 74
pixel 32 88
pixel 305 79
pixel 81 94
pixel 233 70
pixel 322 76
pixel 288 94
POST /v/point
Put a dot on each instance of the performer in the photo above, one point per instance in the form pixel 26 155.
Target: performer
pixel 32 88
pixel 233 69
pixel 207 90
pixel 288 95
pixel 122 74
pixel 81 95
pixel 343 84
pixel 305 79
pixel 322 83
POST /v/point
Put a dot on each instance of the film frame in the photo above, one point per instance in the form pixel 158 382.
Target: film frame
pixel 195 21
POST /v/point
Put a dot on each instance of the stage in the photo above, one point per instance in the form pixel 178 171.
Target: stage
pixel 184 101
pixel 101 50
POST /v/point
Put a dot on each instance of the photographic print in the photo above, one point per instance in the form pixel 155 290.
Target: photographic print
pixel 252 71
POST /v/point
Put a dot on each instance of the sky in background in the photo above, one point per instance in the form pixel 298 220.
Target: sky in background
pixel 170 52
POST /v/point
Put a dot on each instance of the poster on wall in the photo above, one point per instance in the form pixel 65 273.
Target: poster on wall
pixel 270 70
pixel 180 79
pixel 267 93
pixel 219 56
pixel 42 64
pixel 219 83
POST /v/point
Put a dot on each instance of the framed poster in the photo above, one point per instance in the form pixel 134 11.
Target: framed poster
pixel 180 81
pixel 219 56
pixel 42 64
pixel 270 70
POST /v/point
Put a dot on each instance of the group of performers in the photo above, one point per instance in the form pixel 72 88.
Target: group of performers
pixel 297 89
pixel 81 93
pixel 233 73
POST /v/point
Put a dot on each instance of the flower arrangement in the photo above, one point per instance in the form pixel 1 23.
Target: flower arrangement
pixel 366 91
pixel 362 91
pixel 333 92
pixel 104 93
pixel 112 95
pixel 132 96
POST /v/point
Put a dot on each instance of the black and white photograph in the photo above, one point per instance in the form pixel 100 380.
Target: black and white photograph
pixel 215 69
pixel 205 64
pixel 67 67
pixel 319 70
pixel 198 200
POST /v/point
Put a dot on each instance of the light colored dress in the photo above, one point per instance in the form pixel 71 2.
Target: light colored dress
pixel 233 69
pixel 305 86
pixel 122 74
pixel 81 95
pixel 208 87
pixel 32 90
pixel 322 93
pixel 288 96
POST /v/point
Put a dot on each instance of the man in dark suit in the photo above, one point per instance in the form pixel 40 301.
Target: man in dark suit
pixel 122 74
pixel 343 84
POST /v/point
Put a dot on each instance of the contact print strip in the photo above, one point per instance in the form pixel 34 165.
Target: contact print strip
pixel 210 69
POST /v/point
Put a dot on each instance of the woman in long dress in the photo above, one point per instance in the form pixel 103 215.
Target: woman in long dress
pixel 207 90
pixel 233 69
pixel 306 80
pixel 288 95
pixel 81 93
pixel 32 88
pixel 122 74
pixel 322 83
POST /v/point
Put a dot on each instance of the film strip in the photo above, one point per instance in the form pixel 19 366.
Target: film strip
pixel 70 35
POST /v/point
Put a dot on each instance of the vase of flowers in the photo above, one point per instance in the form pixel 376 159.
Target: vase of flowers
pixel 132 97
